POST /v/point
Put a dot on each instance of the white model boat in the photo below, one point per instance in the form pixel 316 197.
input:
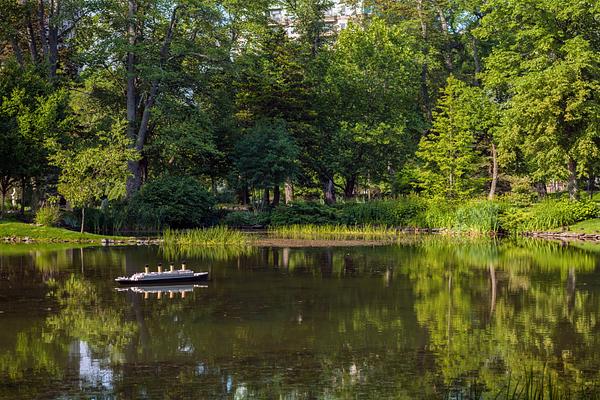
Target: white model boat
pixel 172 276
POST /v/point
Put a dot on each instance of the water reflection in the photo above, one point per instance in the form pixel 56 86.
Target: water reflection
pixel 432 318
pixel 171 291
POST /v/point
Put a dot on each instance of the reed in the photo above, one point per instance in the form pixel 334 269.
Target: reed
pixel 216 236
pixel 365 232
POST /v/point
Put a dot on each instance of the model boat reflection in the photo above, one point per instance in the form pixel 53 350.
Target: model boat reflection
pixel 167 290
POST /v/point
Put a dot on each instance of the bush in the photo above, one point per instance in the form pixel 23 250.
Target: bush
pixel 240 219
pixel 48 216
pixel 173 201
pixel 304 214
pixel 402 212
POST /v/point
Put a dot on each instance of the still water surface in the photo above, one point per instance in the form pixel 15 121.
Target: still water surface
pixel 438 318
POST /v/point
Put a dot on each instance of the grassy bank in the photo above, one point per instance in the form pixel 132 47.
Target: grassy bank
pixel 590 226
pixel 508 214
pixel 36 233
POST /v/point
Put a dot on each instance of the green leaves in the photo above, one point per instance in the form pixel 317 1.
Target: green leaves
pixel 546 65
pixel 266 154
pixel 454 152
pixel 96 168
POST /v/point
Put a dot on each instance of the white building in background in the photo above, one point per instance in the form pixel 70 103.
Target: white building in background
pixel 337 17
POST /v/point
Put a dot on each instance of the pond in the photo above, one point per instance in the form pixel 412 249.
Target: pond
pixel 432 318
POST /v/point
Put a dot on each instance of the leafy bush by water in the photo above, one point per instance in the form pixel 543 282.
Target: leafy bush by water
pixel 304 214
pixel 48 216
pixel 402 212
pixel 239 219
pixel 173 201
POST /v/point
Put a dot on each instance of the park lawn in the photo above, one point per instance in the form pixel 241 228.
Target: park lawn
pixel 47 234
pixel 588 226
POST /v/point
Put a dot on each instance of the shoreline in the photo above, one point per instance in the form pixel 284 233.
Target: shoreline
pixel 565 236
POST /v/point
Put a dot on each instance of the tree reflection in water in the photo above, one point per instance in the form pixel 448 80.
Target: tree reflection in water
pixel 432 318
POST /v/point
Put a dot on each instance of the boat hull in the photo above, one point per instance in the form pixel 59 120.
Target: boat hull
pixel 197 277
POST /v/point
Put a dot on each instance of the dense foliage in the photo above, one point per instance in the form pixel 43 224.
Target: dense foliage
pixel 173 201
pixel 450 101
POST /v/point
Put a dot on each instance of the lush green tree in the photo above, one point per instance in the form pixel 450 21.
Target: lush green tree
pixel 266 157
pixel 31 113
pixel 546 65
pixel 160 53
pixel 375 119
pixel 454 152
pixel 93 168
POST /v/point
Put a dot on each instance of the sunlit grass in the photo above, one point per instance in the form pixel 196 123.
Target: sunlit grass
pixel 340 232
pixel 216 236
pixel 591 226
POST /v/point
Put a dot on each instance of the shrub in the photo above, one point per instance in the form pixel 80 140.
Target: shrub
pixel 304 214
pixel 401 212
pixel 173 201
pixel 48 216
pixel 246 219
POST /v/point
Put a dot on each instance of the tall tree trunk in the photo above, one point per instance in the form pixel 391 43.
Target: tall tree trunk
pixel 349 187
pixel 23 188
pixel 3 200
pixel 494 173
pixel 17 50
pixel 52 50
pixel 329 190
pixel 276 195
pixel 266 201
pixel 289 191
pixel 424 67
pixel 134 181
pixel 445 31
pixel 540 187
pixel 572 185
pixel 32 42
pixel 245 195
pixel 82 218
pixel 42 28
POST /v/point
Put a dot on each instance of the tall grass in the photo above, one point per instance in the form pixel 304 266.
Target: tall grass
pixel 478 217
pixel 548 214
pixel 365 232
pixel 216 236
